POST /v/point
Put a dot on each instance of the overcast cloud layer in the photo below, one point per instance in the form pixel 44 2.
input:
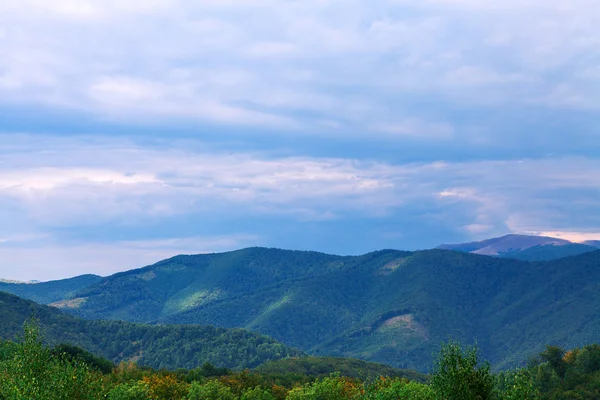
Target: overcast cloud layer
pixel 133 131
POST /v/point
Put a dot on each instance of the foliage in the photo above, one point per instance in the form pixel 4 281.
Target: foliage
pixel 458 375
pixel 393 389
pixel 32 372
pixel 518 385
pixel 162 346
pixel 576 375
pixel 165 387
pixel 74 354
pixel 211 390
pixel 257 393
pixel 320 367
pixel 129 391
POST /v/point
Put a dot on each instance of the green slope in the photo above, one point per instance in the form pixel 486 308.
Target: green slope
pixel 388 306
pixel 165 346
pixel 49 292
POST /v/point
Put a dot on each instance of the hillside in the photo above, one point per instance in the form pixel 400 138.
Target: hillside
pixel 49 292
pixel 165 346
pixel 389 306
pixel 524 247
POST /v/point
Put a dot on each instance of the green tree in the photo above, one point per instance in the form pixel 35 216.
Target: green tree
pixel 518 385
pixel 458 375
pixel 211 390
pixel 554 356
pixel 257 393
pixel 394 389
pixel 130 391
pixel 31 372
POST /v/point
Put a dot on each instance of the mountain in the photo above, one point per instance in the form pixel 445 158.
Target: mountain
pixel 164 346
pixel 48 292
pixel 389 306
pixel 523 247
pixel 593 243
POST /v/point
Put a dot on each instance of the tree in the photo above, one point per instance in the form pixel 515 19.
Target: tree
pixel 458 375
pixel 31 371
pixel 554 356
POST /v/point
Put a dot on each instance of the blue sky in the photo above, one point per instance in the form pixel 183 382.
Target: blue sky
pixel 133 131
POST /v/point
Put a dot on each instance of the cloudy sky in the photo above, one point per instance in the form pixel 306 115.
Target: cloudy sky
pixel 134 130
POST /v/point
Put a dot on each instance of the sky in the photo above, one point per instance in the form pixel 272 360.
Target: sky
pixel 133 131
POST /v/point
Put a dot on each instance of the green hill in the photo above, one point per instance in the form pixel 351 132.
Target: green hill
pixel 164 346
pixel 388 306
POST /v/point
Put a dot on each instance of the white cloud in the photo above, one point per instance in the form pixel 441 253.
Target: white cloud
pixel 572 236
pixel 57 182
pixel 109 57
pixel 50 185
pixel 417 128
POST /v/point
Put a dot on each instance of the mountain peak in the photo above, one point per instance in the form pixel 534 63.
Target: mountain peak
pixel 526 247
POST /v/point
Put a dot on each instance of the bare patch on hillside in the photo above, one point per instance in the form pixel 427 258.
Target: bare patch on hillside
pixel 404 322
pixel 393 265
pixel 71 303
pixel 147 276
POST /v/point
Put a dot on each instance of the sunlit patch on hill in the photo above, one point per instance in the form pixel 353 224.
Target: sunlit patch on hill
pixel 70 303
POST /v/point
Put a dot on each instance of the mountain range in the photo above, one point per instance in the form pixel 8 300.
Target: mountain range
pixel 525 247
pixel 388 306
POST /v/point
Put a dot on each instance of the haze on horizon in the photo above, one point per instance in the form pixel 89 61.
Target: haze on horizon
pixel 134 131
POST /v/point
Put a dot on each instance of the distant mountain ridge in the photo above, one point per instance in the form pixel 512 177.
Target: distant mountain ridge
pixel 525 247
pixel 388 306
pixel 49 292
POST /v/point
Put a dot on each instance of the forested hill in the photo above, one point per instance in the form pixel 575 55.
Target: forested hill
pixel 388 306
pixel 164 346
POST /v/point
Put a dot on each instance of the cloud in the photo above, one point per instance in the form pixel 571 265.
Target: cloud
pixel 54 182
pixel 572 236
pixel 342 124
pixel 291 65
pixel 416 128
